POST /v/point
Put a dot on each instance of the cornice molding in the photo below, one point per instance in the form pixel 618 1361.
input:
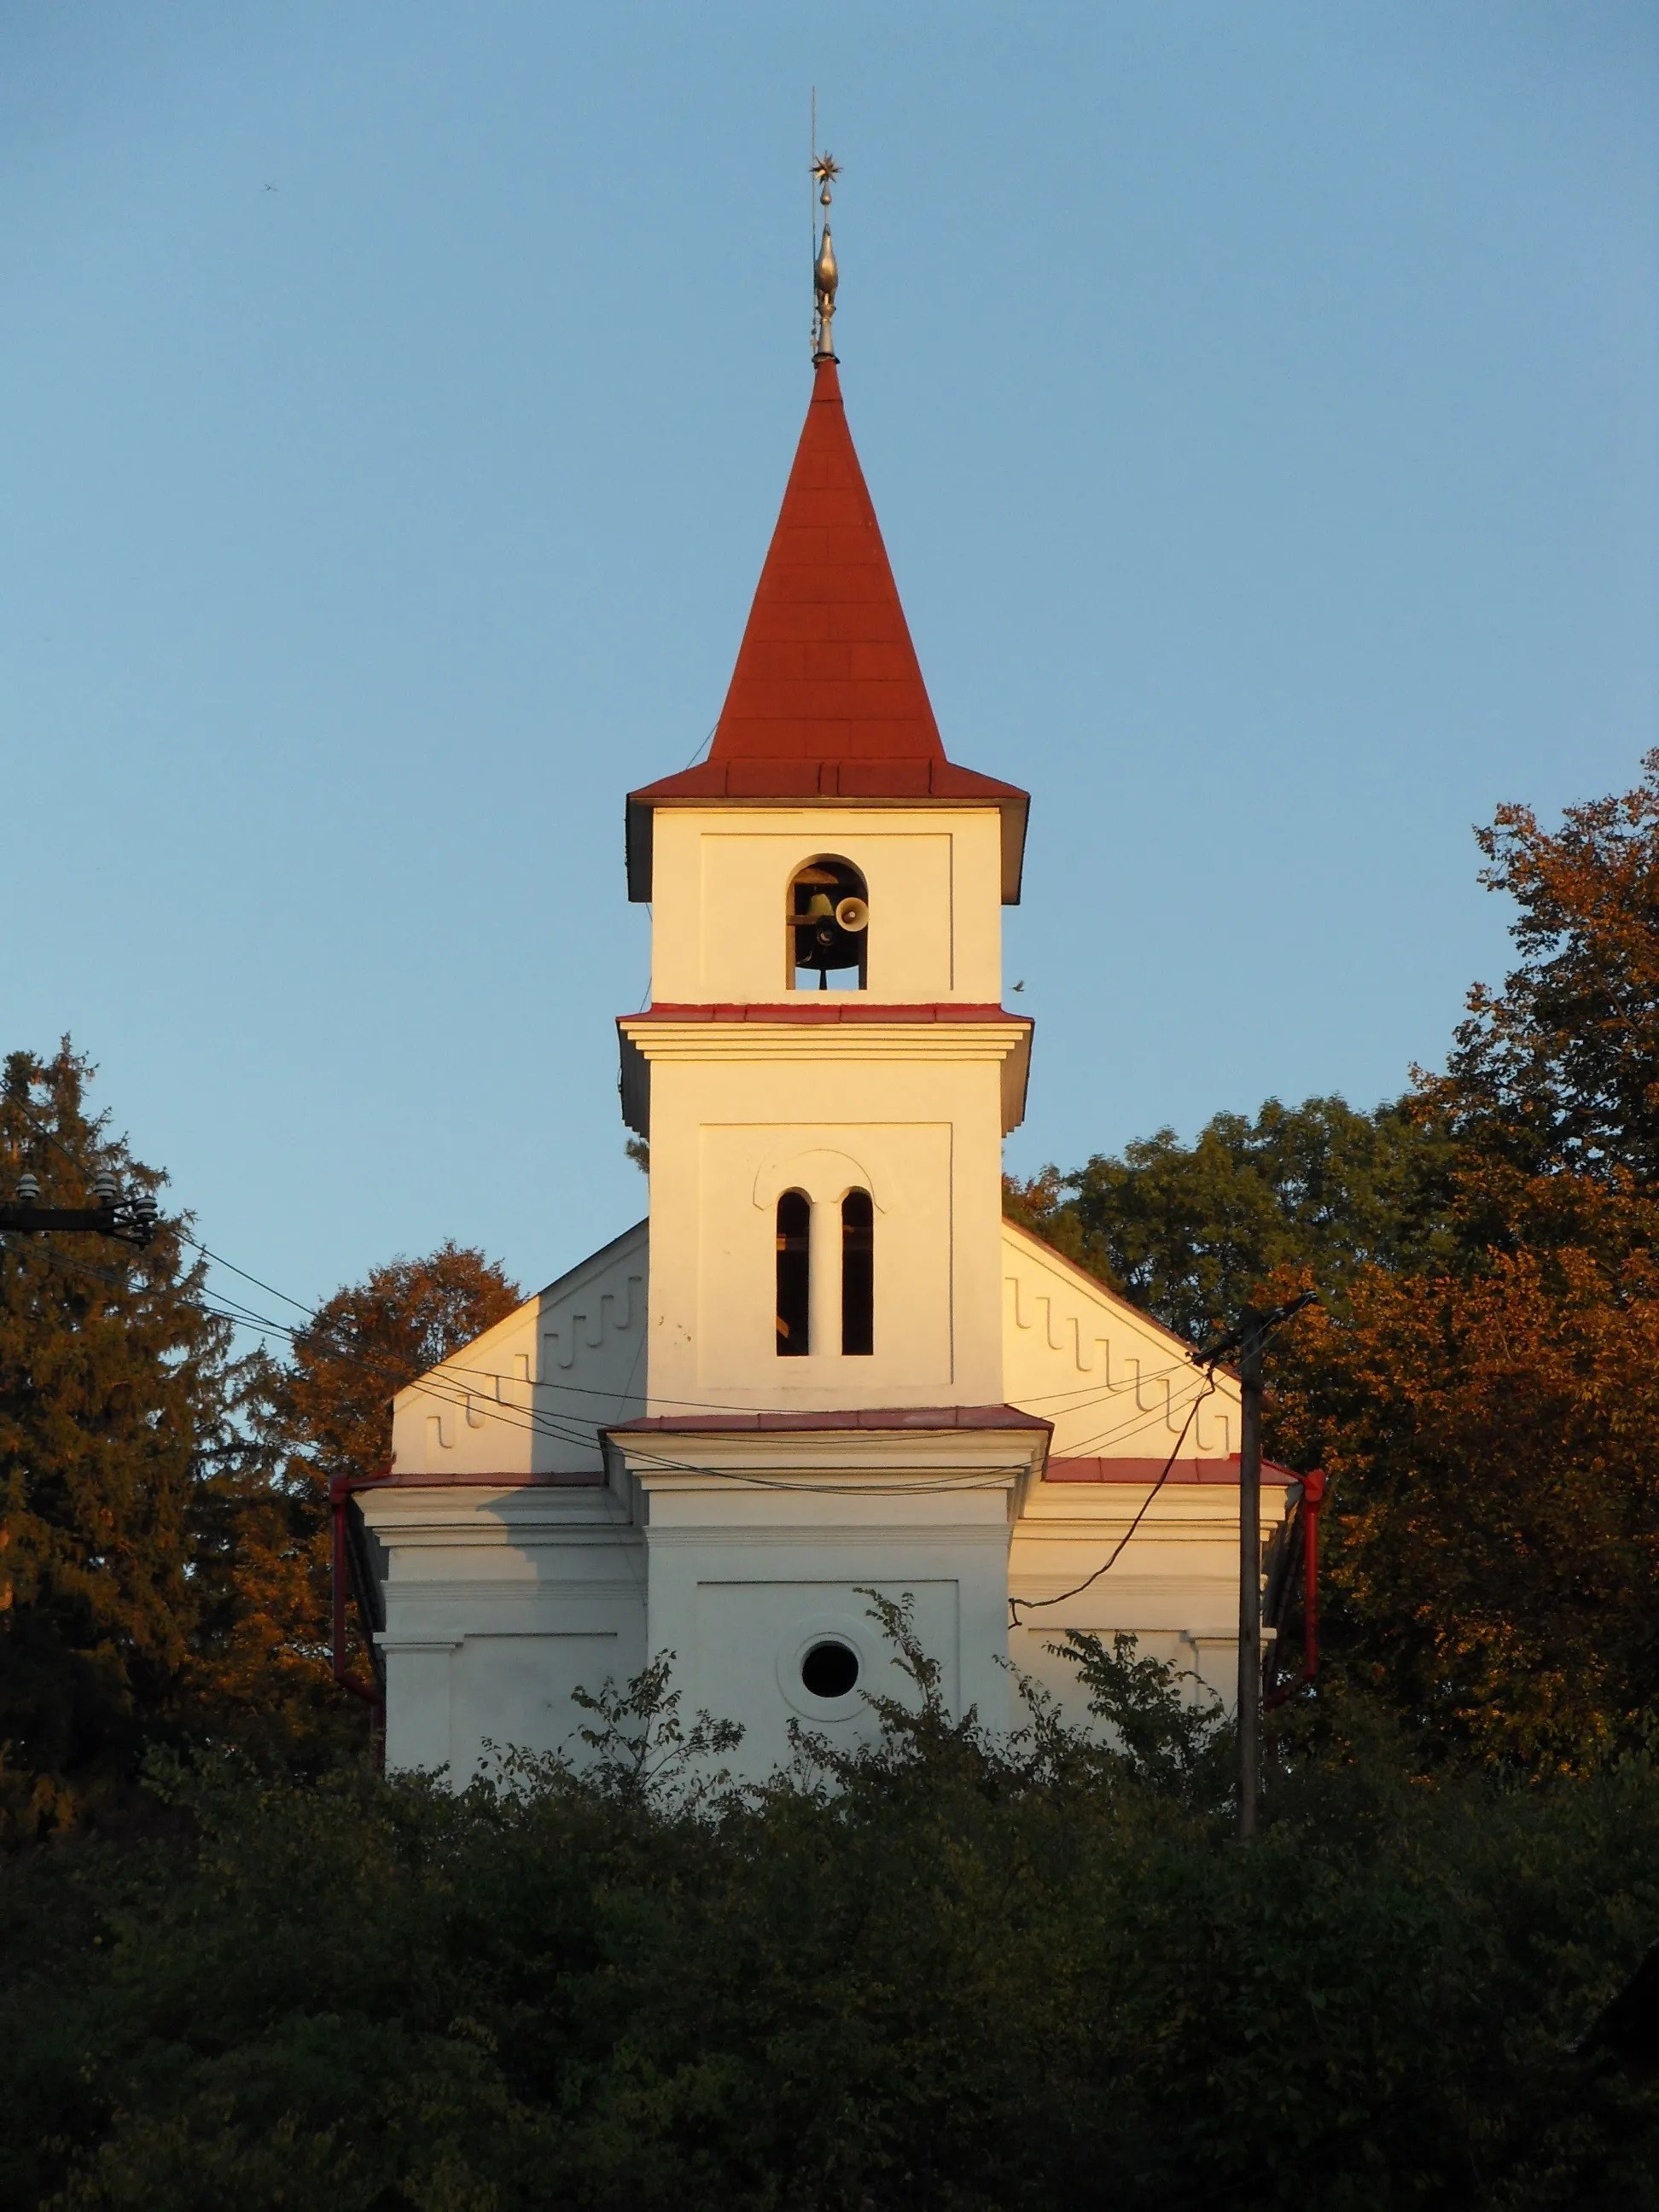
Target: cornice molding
pixel 999 1040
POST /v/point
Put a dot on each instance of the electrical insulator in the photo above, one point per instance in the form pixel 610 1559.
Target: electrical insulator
pixel 105 1189
pixel 29 1190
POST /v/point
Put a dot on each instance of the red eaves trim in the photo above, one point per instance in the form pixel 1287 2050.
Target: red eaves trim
pixel 798 778
pixel 826 1007
pixel 821 782
pixel 861 1417
pixel 1148 1470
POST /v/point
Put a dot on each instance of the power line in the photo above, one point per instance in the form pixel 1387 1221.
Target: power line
pixel 315 1317
pixel 1085 1395
pixel 1036 1604
pixel 454 1392
pixel 527 1421
pixel 535 1422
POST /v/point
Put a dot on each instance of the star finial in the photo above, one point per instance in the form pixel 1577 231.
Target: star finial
pixel 825 275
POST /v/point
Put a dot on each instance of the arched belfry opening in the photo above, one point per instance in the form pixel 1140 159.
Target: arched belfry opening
pixel 794 1274
pixel 827 927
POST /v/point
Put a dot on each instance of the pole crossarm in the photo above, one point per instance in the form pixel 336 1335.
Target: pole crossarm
pixel 132 1222
pixel 1254 1324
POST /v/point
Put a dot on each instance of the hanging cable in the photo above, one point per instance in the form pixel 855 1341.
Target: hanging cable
pixel 1016 1604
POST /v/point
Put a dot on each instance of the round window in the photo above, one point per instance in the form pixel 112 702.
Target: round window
pixel 829 1670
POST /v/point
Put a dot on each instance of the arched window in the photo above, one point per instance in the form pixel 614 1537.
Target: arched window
pixel 858 1274
pixel 826 926
pixel 794 1273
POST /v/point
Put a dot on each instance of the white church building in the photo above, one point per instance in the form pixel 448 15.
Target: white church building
pixel 824 1362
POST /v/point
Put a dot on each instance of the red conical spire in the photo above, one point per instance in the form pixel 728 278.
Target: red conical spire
pixel 826 670
pixel 826 703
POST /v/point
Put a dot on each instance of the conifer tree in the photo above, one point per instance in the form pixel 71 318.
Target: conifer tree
pixel 110 1374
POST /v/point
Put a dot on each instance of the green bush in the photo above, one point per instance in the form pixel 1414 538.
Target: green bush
pixel 949 1971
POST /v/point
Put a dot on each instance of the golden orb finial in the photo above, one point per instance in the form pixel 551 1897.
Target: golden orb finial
pixel 825 274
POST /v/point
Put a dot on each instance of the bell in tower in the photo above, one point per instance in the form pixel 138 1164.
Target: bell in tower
pixel 827 926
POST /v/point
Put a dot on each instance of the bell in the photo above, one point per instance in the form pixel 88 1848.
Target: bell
pixel 821 906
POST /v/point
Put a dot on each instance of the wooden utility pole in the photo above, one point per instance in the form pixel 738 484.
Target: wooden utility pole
pixel 1250 1570
pixel 1247 1340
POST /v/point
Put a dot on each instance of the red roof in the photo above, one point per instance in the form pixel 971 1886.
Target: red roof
pixel 826 670
pixel 1149 1470
pixel 827 699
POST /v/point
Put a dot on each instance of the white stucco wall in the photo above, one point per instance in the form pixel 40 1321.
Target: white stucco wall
pixel 499 1600
pixel 735 1553
pixel 774 1546
pixel 524 1561
pixel 1119 1389
pixel 530 1395
pixel 721 880
pixel 1113 1381
pixel 813 1109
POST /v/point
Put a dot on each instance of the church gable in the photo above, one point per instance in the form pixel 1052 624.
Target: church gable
pixel 529 1397
pixel 1115 1384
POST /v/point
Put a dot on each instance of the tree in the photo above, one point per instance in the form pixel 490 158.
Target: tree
pixel 1558 1071
pixel 976 1974
pixel 112 1375
pixel 1493 1560
pixel 1479 1379
pixel 1190 1232
pixel 329 1408
pixel 325 1412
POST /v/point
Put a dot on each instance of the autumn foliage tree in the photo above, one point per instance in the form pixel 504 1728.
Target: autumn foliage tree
pixel 1493 1554
pixel 322 1411
pixel 1497 1553
pixel 1558 1074
pixel 328 1406
pixel 1482 1378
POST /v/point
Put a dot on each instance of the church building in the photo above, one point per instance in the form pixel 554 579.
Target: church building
pixel 824 1362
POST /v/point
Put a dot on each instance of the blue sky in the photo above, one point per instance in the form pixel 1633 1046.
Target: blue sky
pixel 1260 404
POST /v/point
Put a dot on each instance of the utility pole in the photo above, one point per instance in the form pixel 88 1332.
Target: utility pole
pixel 1249 1571
pixel 130 1220
pixel 1247 1340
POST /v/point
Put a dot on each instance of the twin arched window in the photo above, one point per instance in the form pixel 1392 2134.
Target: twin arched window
pixel 858 1275
pixel 794 1274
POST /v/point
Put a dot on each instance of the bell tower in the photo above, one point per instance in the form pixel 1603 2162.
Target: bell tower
pixel 825 1071
pixel 826 1367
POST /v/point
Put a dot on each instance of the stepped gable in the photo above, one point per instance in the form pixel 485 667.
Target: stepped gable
pixel 827 699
